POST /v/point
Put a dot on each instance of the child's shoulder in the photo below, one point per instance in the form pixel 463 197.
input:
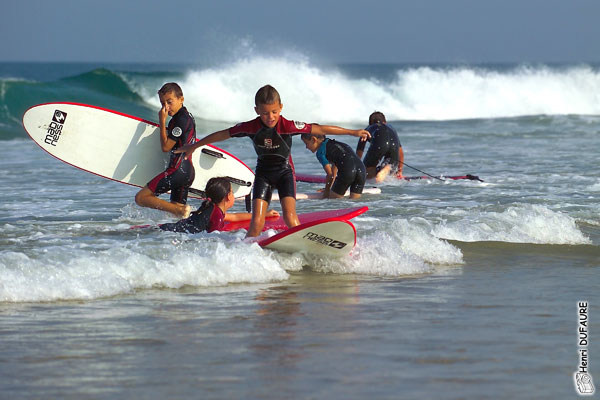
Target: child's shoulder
pixel 294 126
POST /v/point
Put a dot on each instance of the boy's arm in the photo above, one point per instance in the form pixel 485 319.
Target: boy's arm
pixel 188 149
pixel 166 144
pixel 336 130
pixel 360 148
pixel 331 173
pixel 235 217
pixel 400 162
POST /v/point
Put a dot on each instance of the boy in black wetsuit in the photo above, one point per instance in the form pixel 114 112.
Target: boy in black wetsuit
pixel 179 175
pixel 385 147
pixel 271 135
pixel 343 167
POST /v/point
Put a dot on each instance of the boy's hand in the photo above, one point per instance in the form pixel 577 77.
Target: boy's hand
pixel 162 114
pixel 363 134
pixel 188 149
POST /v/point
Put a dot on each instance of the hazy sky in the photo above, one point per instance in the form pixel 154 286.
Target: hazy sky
pixel 197 31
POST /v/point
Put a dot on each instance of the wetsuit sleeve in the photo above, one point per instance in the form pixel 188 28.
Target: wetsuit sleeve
pixel 321 154
pixel 181 128
pixel 243 129
pixel 217 220
pixel 361 145
pixel 395 133
pixel 294 127
pixel 372 129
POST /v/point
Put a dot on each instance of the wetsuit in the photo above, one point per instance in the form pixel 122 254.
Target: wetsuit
pixel 207 218
pixel 179 175
pixel 274 168
pixel 384 146
pixel 351 172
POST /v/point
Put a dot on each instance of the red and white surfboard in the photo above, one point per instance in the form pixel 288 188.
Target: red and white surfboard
pixel 122 147
pixel 277 223
pixel 329 237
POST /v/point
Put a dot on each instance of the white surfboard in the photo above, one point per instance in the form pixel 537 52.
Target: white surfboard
pixel 334 238
pixel 319 195
pixel 121 147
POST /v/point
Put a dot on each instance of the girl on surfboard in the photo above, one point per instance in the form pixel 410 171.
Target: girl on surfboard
pixel 212 214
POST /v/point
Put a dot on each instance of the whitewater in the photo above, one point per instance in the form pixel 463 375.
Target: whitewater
pixel 463 288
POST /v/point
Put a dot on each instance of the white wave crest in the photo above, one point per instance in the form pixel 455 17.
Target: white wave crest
pixel 326 94
pixel 517 224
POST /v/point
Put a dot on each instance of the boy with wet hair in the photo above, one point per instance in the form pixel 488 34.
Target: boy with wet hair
pixel 343 167
pixel 179 175
pixel 271 135
pixel 385 148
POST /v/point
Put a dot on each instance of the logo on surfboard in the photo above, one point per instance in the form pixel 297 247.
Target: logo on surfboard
pixel 55 127
pixel 324 240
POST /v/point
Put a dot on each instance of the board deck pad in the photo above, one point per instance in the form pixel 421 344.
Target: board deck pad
pixel 277 223
pixel 335 238
pixel 122 147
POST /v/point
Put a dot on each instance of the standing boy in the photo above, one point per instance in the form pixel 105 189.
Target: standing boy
pixel 271 135
pixel 179 175
pixel 385 148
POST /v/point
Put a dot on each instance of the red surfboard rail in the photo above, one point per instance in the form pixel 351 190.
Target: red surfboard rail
pixel 277 223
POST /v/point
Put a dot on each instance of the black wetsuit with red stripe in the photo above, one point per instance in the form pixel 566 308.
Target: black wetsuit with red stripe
pixel 274 168
pixel 179 175
pixel 207 218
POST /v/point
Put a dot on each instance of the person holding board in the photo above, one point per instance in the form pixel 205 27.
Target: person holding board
pixel 271 135
pixel 179 175
pixel 343 167
pixel 385 148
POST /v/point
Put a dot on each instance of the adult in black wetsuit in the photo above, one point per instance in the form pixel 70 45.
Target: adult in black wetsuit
pixel 385 154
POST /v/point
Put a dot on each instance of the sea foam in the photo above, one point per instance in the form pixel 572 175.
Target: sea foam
pixel 314 93
pixel 524 223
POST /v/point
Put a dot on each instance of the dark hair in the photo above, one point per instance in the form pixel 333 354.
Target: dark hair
pixel 170 87
pixel 217 189
pixel 307 136
pixel 376 117
pixel 267 95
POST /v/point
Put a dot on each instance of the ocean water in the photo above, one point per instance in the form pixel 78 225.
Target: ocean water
pixel 456 289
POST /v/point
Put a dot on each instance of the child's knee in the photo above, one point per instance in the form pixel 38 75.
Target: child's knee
pixel 141 195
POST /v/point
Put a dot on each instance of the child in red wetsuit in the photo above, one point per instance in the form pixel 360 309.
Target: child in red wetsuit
pixel 212 214
pixel 271 135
